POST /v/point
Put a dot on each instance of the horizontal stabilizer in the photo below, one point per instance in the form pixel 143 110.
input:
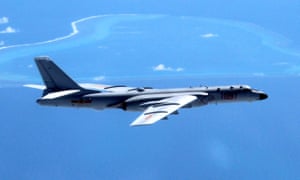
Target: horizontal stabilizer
pixel 35 86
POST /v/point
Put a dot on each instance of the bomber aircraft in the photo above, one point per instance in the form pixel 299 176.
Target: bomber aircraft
pixel 157 104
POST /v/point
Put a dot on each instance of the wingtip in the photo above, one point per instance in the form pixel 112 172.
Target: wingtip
pixel 132 125
pixel 138 124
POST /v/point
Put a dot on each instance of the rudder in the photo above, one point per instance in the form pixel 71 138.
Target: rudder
pixel 54 78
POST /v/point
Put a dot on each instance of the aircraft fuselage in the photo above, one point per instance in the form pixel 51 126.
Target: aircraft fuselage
pixel 156 104
pixel 133 100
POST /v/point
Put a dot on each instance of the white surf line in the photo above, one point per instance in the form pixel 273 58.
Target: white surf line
pixel 73 33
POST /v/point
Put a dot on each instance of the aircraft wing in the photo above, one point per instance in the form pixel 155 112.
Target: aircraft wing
pixel 162 109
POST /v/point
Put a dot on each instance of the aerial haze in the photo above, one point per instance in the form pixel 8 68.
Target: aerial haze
pixel 161 45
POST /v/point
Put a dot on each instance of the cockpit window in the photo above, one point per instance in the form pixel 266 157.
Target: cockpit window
pixel 246 87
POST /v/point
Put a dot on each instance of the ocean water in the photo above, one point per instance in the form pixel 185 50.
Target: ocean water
pixel 227 141
pixel 161 45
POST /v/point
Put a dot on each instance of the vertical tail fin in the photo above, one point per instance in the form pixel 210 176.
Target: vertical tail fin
pixel 54 78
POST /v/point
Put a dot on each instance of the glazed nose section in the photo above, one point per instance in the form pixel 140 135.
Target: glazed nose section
pixel 263 96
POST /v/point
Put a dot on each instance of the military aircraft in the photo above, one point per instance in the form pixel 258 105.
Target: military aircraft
pixel 157 104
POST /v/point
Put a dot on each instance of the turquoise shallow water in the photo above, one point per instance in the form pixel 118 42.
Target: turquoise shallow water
pixel 132 45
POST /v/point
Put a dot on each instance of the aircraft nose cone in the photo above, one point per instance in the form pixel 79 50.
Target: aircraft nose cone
pixel 263 96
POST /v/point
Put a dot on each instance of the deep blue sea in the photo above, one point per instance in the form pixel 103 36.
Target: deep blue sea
pixel 161 45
